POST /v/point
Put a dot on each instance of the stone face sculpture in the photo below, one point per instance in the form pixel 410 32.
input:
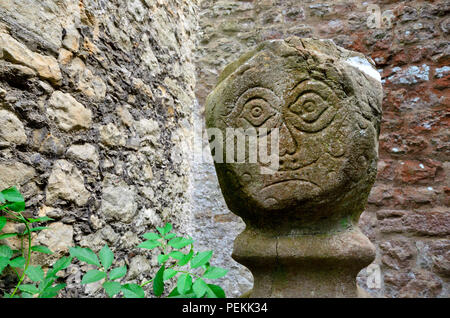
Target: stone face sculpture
pixel 324 104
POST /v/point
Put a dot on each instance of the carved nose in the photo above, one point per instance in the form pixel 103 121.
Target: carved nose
pixel 287 143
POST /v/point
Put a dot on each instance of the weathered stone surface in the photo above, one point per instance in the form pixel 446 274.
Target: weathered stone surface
pixel 15 174
pixel 325 104
pixel 46 66
pixel 66 183
pixel 11 129
pixel 58 238
pixel 119 203
pixel 85 152
pixel 110 135
pixel 68 113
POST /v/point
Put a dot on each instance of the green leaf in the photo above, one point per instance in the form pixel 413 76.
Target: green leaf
pixel 35 229
pixel 132 291
pixel 2 198
pixel 162 258
pixel 12 195
pixel 4 261
pixel 16 206
pixel 199 287
pixel 117 272
pixel 47 282
pixel 169 273
pixel 176 255
pixel 92 276
pixel 214 291
pixel 186 258
pixel 17 262
pixel 184 283
pixel 158 282
pixel 2 222
pixel 112 288
pixel 85 255
pixel 60 264
pixel 151 236
pixel 180 242
pixel 41 219
pixel 149 244
pixel 35 273
pixel 175 294
pixel 41 249
pixel 5 251
pixel 106 257
pixel 29 288
pixel 6 235
pixel 201 259
pixel 52 291
pixel 26 295
pixel 215 272
pixel 170 236
pixel 166 229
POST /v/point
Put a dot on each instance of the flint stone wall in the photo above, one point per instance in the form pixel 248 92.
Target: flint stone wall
pixel 96 104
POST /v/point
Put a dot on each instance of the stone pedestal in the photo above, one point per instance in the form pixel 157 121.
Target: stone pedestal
pixel 305 116
pixel 321 265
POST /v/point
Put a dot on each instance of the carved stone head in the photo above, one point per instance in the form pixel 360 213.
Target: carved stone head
pixel 322 104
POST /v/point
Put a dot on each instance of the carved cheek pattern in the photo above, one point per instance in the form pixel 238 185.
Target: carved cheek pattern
pixel 257 107
pixel 310 106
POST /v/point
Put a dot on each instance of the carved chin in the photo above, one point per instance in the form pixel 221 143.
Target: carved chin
pixel 283 193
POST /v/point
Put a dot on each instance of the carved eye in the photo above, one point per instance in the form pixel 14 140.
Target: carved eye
pixel 258 107
pixel 311 106
pixel 257 112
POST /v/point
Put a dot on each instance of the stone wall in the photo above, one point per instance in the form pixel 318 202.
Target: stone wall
pixel 407 215
pixel 96 104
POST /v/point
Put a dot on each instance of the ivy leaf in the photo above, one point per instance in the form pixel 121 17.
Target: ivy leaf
pixel 29 288
pixel 180 242
pixel 132 291
pixel 169 273
pixel 184 283
pixel 214 291
pixel 17 262
pixel 199 287
pixel 35 273
pixel 12 195
pixel 2 222
pixel 162 258
pixel 112 288
pixel 151 236
pixel 149 244
pixel 117 272
pixel 85 255
pixel 106 257
pixel 215 272
pixel 201 259
pixel 41 249
pixel 158 282
pixel 92 276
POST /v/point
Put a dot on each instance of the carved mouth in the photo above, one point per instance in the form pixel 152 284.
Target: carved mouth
pixel 287 176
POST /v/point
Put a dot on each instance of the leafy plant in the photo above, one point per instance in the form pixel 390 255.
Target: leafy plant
pixel 190 283
pixel 12 204
pixel 177 260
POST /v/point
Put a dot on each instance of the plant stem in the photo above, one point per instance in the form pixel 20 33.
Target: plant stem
pixel 28 260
